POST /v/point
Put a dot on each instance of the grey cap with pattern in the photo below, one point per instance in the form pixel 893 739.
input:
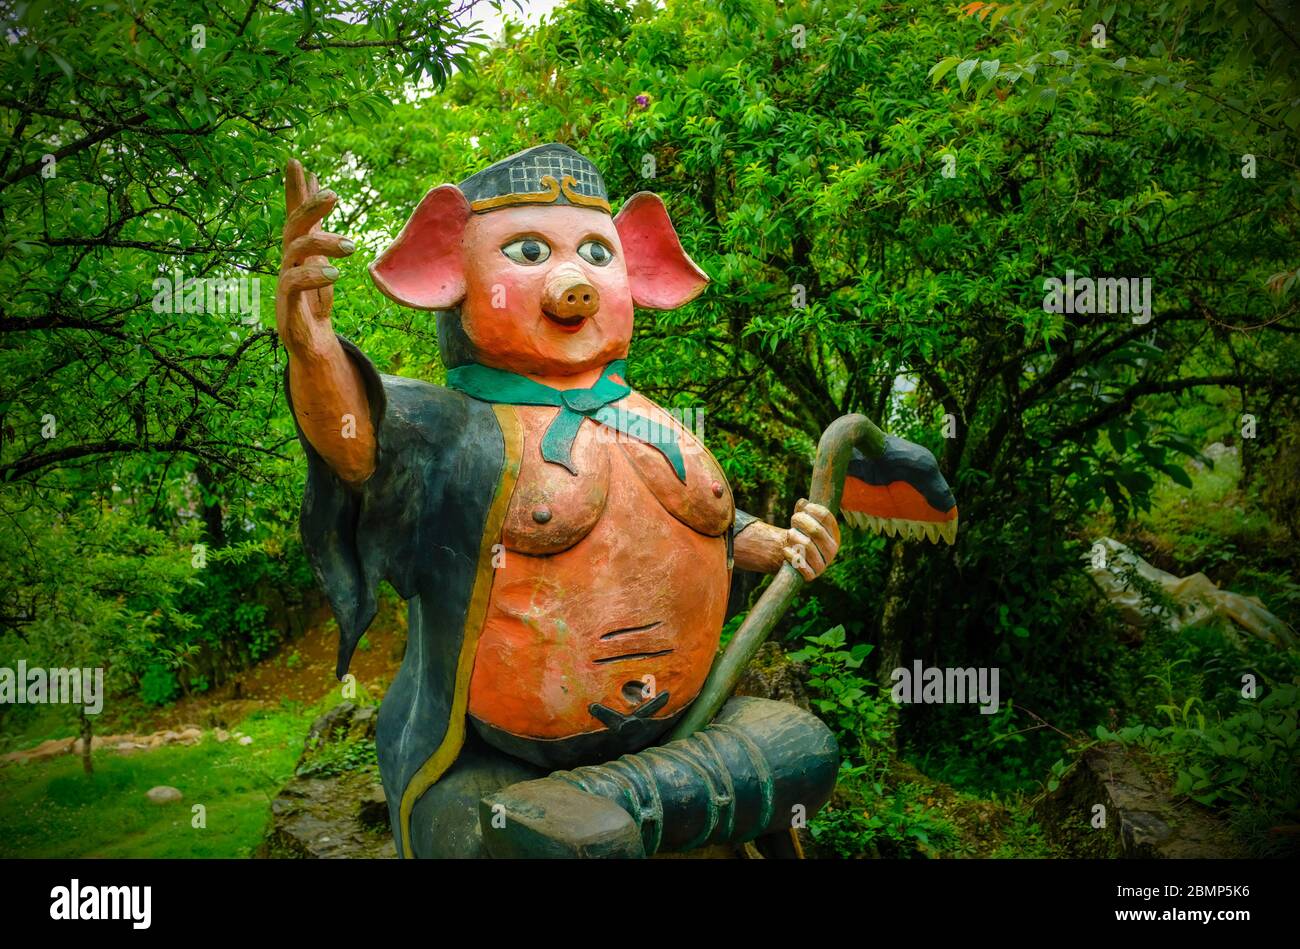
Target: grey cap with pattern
pixel 545 174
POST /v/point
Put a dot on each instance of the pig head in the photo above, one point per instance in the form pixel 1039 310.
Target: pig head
pixel 540 289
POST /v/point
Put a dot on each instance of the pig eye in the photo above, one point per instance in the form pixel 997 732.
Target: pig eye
pixel 528 251
pixel 594 252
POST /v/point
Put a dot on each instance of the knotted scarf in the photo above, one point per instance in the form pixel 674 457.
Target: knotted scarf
pixel 499 386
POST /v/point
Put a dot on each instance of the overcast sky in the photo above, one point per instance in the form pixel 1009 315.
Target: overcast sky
pixel 533 12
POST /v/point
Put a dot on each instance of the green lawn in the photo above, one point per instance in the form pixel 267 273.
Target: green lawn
pixel 54 809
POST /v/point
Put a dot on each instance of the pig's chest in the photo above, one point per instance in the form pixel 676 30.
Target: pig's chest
pixel 613 587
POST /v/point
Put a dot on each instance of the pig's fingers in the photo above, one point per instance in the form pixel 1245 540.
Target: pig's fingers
pixel 295 186
pixel 795 557
pixel 308 214
pixel 826 542
pixel 313 188
pixel 306 277
pixel 314 247
pixel 812 554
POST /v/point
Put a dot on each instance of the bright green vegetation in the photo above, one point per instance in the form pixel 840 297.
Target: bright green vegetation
pixel 54 809
pixel 150 478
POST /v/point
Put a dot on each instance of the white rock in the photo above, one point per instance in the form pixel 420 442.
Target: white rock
pixel 246 740
pixel 163 794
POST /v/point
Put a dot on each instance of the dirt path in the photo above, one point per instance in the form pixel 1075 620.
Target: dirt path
pixel 301 670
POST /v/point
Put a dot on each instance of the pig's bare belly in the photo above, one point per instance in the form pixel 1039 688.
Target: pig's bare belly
pixel 632 610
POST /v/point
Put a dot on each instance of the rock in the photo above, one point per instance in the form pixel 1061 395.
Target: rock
pixel 122 744
pixel 771 675
pixel 331 814
pixel 222 735
pixel 1123 577
pixel 163 794
pixel 372 809
pixel 328 725
pixel 1214 452
pixel 318 818
pixel 1143 817
pixel 246 740
pixel 98 742
pixel 363 723
pixel 46 749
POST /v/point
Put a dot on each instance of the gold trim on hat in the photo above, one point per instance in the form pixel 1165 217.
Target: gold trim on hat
pixel 549 196
pixel 582 200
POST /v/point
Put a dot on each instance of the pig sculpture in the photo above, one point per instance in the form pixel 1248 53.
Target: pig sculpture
pixel 564 543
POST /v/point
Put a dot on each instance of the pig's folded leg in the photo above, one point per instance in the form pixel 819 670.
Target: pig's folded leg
pixel 759 768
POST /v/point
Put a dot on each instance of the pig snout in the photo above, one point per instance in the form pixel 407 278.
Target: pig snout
pixel 567 297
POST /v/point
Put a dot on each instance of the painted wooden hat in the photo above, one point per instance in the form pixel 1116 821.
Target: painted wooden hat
pixel 545 174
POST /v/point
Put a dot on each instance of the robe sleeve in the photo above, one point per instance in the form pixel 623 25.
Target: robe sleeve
pixel 356 537
pixel 742 521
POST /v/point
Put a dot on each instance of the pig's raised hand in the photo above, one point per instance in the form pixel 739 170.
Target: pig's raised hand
pixel 329 394
pixel 304 295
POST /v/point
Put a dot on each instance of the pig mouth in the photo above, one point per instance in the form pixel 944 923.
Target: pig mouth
pixel 570 324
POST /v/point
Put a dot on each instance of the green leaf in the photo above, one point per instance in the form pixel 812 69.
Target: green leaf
pixel 964 72
pixel 943 67
pixel 1178 474
pixel 62 64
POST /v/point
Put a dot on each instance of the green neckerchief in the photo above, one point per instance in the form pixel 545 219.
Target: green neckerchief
pixel 497 385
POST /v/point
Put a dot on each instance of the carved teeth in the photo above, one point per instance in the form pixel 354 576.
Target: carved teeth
pixel 903 528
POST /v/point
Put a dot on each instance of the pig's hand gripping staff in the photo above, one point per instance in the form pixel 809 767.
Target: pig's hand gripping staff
pixel 565 545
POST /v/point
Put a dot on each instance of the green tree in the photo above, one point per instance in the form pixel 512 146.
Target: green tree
pixel 141 148
pixel 803 152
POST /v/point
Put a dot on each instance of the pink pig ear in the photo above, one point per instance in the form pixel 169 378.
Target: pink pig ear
pixel 423 267
pixel 661 275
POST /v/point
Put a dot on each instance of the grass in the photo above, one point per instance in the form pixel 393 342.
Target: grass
pixel 54 809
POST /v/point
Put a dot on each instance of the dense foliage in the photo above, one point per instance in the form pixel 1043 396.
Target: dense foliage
pixel 150 483
pixel 878 192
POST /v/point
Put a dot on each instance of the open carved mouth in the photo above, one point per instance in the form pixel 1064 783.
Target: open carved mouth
pixel 568 323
